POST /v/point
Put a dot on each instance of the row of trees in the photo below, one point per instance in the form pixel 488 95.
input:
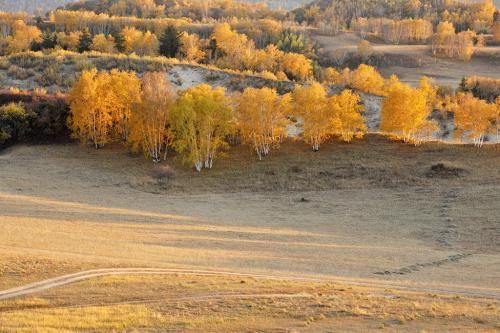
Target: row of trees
pixel 394 31
pixel 338 15
pixel 152 117
pixel 195 10
pixel 233 50
pixel 18 36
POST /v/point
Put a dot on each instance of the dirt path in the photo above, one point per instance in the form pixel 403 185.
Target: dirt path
pixel 68 279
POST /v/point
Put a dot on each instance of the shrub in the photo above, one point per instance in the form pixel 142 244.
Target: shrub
pixel 46 115
pixel 18 73
pixel 51 75
pixel 14 122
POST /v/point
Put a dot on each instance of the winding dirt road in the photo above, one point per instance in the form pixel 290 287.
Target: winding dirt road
pixel 64 280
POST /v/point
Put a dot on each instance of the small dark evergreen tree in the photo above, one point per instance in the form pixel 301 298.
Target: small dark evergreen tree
pixel 49 40
pixel 119 40
pixel 212 47
pixel 85 41
pixel 170 42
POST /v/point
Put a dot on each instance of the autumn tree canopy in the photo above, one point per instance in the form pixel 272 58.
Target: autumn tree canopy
pixel 262 118
pixel 347 120
pixel 201 120
pixel 100 104
pixel 405 113
pixel 474 118
pixel 311 104
pixel 150 130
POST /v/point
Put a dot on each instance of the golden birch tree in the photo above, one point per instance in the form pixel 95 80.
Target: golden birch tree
pixel 311 104
pixel 150 131
pixel 474 118
pixel 91 119
pixel 405 113
pixel 262 118
pixel 124 92
pixel 347 120
pixel 100 105
pixel 201 120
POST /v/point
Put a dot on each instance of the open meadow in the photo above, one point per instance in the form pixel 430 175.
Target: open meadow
pixel 339 238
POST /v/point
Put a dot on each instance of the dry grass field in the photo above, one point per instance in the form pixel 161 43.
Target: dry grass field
pixel 358 237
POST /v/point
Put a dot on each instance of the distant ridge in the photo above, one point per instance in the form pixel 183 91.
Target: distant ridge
pixel 31 6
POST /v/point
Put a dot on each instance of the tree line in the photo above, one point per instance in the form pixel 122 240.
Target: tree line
pixel 150 116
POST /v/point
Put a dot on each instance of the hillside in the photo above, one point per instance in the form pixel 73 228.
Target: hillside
pixel 31 6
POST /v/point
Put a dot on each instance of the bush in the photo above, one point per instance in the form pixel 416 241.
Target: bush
pixel 45 116
pixel 49 118
pixel 51 75
pixel 163 172
pixel 18 73
pixel 14 122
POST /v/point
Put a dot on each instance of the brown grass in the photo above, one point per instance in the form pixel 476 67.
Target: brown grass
pixel 341 215
pixel 195 304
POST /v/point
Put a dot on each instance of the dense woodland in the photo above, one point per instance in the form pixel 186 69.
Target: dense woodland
pixel 147 114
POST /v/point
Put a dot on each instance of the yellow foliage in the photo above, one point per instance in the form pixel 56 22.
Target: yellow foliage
pixel 405 113
pixel 100 104
pixel 332 76
pixel 297 66
pixel 347 121
pixel 474 117
pixel 429 88
pixel 69 41
pixel 367 79
pixel 140 43
pixel 238 50
pixel 149 130
pixel 326 116
pixel 23 36
pixel 262 118
pixel 311 104
pixel 104 44
pixel 201 120
pixel 191 47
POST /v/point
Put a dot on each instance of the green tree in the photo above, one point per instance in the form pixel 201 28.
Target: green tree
pixel 13 122
pixel 119 40
pixel 85 41
pixel 170 42
pixel 49 40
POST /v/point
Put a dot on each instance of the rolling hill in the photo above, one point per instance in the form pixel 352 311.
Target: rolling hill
pixel 31 6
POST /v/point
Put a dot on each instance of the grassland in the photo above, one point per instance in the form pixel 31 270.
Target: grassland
pixel 191 303
pixel 368 235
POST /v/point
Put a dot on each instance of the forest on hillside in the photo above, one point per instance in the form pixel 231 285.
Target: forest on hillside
pixel 38 6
